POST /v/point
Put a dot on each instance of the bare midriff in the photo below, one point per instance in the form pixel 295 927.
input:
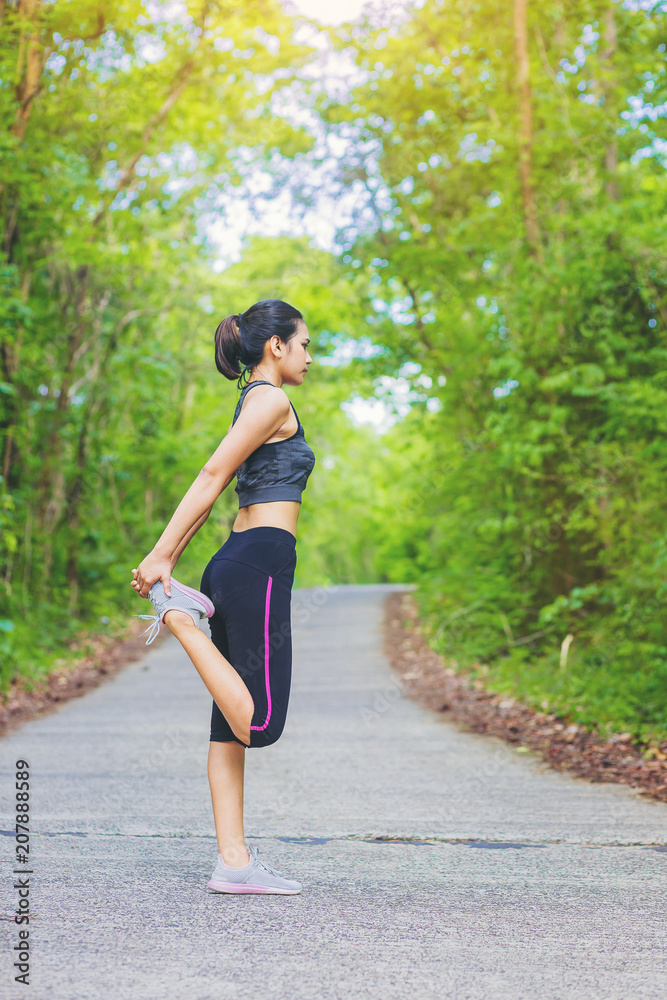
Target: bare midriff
pixel 277 513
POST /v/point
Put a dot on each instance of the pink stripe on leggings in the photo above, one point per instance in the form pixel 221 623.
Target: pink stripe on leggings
pixel 266 657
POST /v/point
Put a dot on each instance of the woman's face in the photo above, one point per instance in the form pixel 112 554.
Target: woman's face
pixel 297 359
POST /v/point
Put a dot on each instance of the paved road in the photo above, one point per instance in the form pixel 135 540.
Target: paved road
pixel 435 864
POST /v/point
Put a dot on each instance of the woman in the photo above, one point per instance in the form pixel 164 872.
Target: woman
pixel 246 587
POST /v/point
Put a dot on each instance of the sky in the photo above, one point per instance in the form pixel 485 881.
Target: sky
pixel 229 221
pixel 327 11
pixel 382 413
pixel 399 392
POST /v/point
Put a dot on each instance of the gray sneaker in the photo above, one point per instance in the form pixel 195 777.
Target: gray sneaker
pixel 256 877
pixel 183 598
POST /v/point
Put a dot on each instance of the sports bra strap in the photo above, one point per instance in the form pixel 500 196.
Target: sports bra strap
pixel 265 382
pixel 258 381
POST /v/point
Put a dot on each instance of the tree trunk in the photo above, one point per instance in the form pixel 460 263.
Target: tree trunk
pixel 27 598
pixel 53 471
pixel 148 506
pixel 31 53
pixel 607 61
pixel 525 126
pixel 179 84
pixel 11 359
pixel 78 488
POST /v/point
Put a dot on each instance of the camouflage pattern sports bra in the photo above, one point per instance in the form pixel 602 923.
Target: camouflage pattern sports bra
pixel 277 470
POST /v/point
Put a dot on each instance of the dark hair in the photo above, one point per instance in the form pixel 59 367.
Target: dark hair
pixel 240 339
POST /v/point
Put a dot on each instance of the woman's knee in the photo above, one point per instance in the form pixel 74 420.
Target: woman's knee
pixel 266 737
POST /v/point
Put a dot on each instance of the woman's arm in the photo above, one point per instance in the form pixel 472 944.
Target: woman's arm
pixel 193 531
pixel 159 564
pixel 190 514
pixel 269 412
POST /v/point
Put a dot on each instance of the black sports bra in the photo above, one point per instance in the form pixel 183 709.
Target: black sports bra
pixel 277 470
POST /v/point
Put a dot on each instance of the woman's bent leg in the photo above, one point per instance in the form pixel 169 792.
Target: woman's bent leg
pixel 226 762
pixel 249 582
pixel 224 683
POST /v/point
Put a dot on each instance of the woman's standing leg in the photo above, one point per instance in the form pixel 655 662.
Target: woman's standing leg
pixel 226 763
pixel 249 583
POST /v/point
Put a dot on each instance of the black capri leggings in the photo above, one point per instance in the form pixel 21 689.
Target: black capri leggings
pixel 249 580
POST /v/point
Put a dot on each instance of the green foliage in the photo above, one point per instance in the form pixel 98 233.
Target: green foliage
pixel 525 309
pixel 530 497
pixel 117 131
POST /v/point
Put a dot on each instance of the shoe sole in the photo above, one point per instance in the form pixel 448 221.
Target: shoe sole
pixel 236 887
pixel 196 595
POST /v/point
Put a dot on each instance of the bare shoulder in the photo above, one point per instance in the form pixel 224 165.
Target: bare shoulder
pixel 257 422
pixel 266 399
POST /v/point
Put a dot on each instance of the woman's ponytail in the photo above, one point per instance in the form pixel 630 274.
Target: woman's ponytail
pixel 240 339
pixel 228 347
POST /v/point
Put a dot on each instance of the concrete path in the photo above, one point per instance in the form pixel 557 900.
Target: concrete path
pixel 435 864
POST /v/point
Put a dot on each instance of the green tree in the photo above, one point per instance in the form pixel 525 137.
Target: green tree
pixel 119 132
pixel 512 158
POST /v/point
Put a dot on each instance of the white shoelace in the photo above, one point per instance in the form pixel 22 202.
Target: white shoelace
pixel 272 871
pixel 153 629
